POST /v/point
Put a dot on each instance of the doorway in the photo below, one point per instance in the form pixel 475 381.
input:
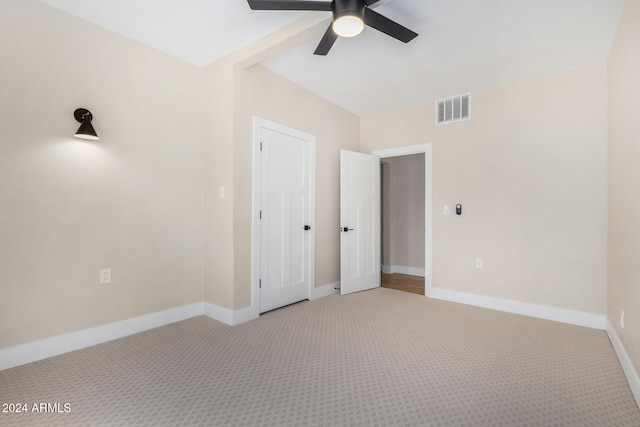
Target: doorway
pixel 406 218
pixel 403 223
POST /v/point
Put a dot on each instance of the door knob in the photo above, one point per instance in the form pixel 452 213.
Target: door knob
pixel 307 227
pixel 345 229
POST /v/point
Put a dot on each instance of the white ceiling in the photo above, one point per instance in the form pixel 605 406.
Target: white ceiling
pixel 463 45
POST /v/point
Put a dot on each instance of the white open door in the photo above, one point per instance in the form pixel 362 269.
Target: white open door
pixel 359 222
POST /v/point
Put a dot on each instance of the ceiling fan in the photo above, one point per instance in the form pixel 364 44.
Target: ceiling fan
pixel 349 19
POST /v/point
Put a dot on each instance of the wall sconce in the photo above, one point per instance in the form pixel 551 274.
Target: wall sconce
pixel 86 130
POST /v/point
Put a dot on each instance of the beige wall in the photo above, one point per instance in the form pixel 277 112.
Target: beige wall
pixel 131 202
pixel 403 240
pixel 218 157
pixel 623 288
pixel 265 94
pixel 530 172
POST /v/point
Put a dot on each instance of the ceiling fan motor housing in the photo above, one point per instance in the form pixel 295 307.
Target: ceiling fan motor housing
pixel 348 7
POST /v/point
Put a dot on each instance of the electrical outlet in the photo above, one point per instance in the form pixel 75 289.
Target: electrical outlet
pixel 479 263
pixel 105 276
pixel 622 319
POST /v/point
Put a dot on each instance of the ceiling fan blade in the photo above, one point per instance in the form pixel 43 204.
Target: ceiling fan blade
pixel 387 26
pixel 370 2
pixel 289 5
pixel 327 41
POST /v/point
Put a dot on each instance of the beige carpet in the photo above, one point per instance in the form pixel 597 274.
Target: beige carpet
pixel 381 357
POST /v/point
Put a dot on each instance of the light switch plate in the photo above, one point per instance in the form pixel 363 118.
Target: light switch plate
pixel 105 276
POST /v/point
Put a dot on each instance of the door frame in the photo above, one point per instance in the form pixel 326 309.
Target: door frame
pixel 428 195
pixel 259 123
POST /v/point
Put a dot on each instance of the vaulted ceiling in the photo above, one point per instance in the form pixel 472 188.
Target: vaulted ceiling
pixel 463 45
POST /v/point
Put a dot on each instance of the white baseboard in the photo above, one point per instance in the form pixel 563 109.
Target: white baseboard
pixel 30 352
pixel 324 291
pixel 218 313
pixel 625 361
pixel 573 317
pixel 401 269
pixel 246 314
pixel 228 316
pixel 37 350
pixel 236 317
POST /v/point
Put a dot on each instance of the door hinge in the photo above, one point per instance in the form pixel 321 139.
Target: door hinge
pixel 260 283
pixel 260 215
pixel 260 145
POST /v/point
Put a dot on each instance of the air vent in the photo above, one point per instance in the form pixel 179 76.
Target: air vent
pixel 453 109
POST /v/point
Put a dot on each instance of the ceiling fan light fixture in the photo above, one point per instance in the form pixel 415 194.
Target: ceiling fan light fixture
pixel 348 25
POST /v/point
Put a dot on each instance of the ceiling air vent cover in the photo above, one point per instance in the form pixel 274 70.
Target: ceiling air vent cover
pixel 453 109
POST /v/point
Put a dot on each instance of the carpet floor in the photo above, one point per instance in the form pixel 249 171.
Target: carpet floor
pixel 375 358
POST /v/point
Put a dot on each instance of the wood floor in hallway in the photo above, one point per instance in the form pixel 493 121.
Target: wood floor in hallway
pixel 403 282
